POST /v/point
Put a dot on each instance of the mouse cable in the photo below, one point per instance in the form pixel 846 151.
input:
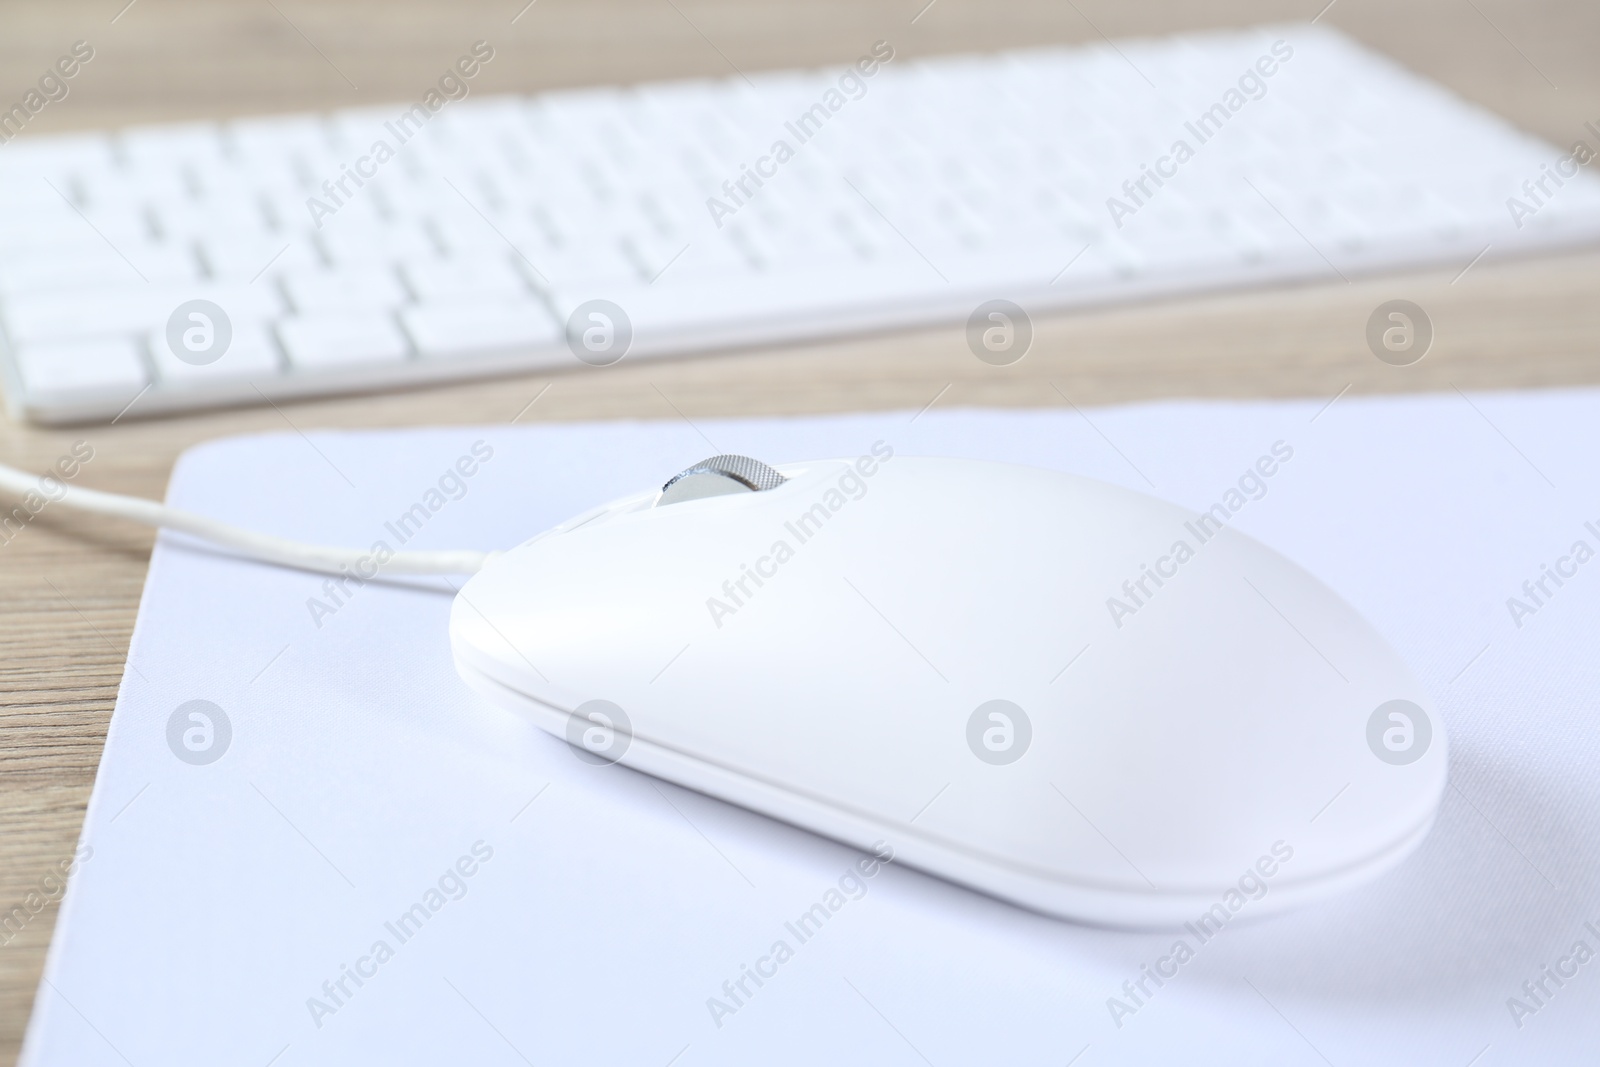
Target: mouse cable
pixel 321 558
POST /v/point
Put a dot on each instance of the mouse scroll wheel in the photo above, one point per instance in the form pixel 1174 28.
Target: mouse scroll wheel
pixel 720 475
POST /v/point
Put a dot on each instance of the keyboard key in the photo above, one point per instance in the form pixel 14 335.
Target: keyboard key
pixel 83 372
pixel 58 315
pixel 441 279
pixel 258 258
pixel 462 327
pixel 329 341
pixel 356 240
pixel 227 217
pixel 35 156
pixel 157 147
pixel 51 269
pixel 69 314
pixel 276 136
pixel 122 190
pixel 371 288
pixel 576 265
pixel 285 208
pixel 252 354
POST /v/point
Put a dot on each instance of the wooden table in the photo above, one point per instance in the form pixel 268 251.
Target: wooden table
pixel 70 588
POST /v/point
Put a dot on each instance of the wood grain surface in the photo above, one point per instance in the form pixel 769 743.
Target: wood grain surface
pixel 69 589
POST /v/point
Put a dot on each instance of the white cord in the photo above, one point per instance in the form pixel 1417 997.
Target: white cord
pixel 259 546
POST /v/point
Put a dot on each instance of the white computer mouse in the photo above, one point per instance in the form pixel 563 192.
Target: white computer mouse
pixel 1068 695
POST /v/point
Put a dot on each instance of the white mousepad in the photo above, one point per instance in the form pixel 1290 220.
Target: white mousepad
pixel 348 858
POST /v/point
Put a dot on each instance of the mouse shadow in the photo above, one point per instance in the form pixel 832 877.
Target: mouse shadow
pixel 1500 886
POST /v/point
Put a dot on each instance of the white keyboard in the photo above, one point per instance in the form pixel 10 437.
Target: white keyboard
pixel 164 268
